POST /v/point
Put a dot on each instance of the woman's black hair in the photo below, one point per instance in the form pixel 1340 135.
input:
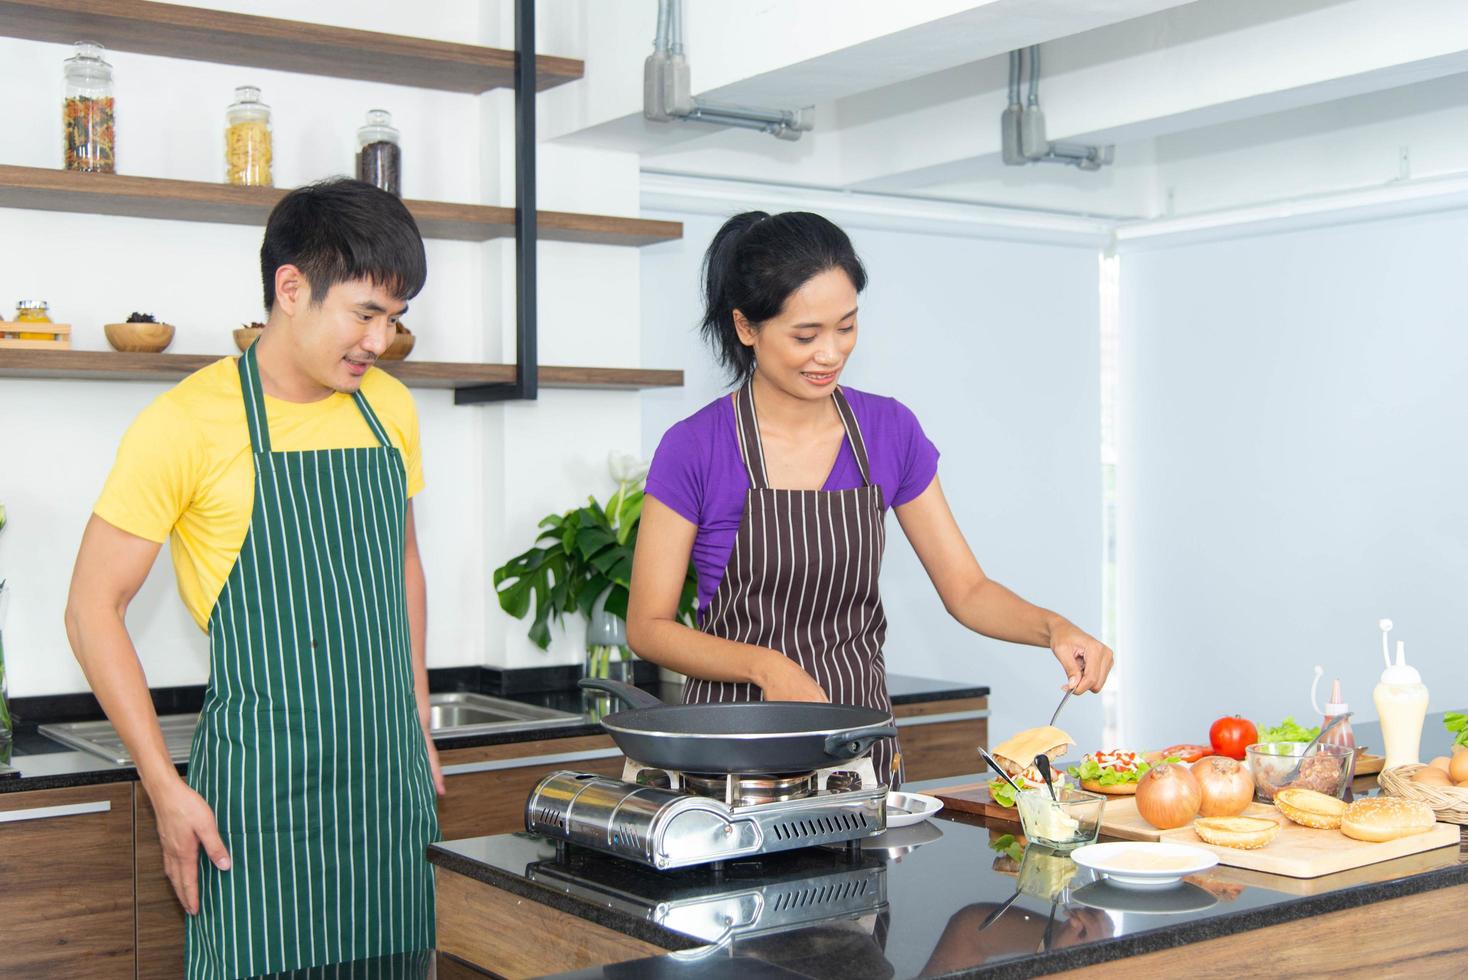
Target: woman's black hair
pixel 339 230
pixel 753 265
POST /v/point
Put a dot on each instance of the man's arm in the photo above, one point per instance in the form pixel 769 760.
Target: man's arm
pixel 416 587
pixel 110 568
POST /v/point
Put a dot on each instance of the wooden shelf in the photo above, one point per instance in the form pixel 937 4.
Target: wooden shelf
pixel 43 189
pixel 116 366
pixel 197 34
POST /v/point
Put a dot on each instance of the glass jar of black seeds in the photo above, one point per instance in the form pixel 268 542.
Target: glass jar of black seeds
pixel 379 157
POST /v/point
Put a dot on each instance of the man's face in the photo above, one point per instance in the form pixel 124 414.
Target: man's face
pixel 335 341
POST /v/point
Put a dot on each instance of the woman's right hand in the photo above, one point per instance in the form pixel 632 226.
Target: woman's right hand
pixel 782 679
pixel 186 823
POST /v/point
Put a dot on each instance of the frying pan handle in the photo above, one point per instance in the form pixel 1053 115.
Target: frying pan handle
pixel 634 696
pixel 850 744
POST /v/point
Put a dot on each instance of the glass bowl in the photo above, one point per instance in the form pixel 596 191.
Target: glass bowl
pixel 1073 818
pixel 1326 770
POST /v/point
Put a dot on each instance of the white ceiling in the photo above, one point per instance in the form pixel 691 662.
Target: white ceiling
pixel 1211 103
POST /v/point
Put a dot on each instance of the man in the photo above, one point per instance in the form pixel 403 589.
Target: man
pixel 282 479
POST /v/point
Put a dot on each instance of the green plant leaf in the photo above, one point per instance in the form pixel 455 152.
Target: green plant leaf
pixel 592 540
pixel 515 599
pixel 622 571
pixel 617 602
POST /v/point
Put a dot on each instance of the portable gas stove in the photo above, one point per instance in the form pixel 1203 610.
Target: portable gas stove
pixel 669 819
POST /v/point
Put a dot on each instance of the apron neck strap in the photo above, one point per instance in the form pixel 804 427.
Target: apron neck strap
pixel 746 425
pixel 255 417
pixel 254 401
pixel 853 434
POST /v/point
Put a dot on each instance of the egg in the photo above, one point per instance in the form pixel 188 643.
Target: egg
pixel 1463 784
pixel 1458 768
pixel 1441 762
pixel 1431 777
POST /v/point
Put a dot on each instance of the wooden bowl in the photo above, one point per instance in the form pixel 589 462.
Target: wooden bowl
pixel 139 338
pixel 245 336
pixel 397 350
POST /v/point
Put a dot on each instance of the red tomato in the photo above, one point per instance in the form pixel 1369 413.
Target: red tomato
pixel 1184 753
pixel 1230 735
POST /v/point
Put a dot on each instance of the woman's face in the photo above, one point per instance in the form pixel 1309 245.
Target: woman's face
pixel 802 349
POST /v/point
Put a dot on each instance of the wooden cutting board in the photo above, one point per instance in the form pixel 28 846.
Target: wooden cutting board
pixel 1297 852
pixel 974 798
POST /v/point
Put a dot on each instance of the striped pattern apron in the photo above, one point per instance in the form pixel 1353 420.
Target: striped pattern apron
pixel 309 748
pixel 802 579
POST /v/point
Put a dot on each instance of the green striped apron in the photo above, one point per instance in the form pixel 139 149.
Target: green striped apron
pixel 309 747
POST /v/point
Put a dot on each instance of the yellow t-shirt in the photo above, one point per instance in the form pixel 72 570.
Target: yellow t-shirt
pixel 184 472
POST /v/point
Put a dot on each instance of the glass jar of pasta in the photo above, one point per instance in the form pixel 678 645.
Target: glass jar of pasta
pixel 247 139
pixel 88 127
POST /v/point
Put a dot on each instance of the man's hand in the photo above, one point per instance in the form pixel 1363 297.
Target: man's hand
pixel 185 823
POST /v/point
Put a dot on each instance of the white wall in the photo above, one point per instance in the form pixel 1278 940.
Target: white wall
pixel 492 471
pixel 995 346
pixel 1292 469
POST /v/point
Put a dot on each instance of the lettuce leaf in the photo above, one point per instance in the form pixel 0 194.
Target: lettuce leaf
pixel 1288 731
pixel 1091 770
pixel 1001 793
pixel 1456 721
pixel 1007 844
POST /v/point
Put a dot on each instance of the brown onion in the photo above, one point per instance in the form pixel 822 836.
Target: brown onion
pixel 1168 796
pixel 1228 787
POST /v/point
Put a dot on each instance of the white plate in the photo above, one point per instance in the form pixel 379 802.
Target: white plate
pixel 906 809
pixel 1103 894
pixel 1117 859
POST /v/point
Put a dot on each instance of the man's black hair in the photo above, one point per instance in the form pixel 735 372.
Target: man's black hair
pixel 340 230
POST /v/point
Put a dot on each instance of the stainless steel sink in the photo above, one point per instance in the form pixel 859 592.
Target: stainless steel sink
pixel 456 713
pixel 463 713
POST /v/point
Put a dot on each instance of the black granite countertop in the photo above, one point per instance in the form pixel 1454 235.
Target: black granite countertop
pixel 936 898
pixel 937 895
pixel 38 762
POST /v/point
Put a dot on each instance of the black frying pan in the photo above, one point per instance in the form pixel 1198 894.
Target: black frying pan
pixel 740 736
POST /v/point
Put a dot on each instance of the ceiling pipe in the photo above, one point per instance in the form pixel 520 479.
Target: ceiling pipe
pixel 1022 127
pixel 667 93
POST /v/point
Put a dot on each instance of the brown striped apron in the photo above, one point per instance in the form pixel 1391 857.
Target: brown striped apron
pixel 802 579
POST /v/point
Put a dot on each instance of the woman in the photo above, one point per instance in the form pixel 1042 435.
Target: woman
pixel 779 493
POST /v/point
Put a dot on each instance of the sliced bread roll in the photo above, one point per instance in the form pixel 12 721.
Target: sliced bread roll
pixel 1379 818
pixel 1244 833
pixel 1308 808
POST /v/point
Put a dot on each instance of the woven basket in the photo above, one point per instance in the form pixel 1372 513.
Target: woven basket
pixel 1450 803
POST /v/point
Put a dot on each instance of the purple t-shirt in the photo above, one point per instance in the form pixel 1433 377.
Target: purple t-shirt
pixel 697 471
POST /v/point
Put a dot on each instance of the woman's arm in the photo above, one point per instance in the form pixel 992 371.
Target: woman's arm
pixel 659 567
pixel 985 606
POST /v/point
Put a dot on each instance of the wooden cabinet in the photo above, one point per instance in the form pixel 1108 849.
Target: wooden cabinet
pixel 66 882
pixel 160 919
pixel 938 738
pixel 486 787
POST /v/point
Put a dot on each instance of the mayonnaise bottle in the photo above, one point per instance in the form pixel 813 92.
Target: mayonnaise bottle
pixel 1401 705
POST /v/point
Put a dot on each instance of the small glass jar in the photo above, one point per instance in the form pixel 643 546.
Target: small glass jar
pixel 87 112
pixel 379 154
pixel 247 140
pixel 32 311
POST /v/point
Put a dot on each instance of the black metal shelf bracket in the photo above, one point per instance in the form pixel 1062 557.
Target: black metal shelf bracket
pixel 527 375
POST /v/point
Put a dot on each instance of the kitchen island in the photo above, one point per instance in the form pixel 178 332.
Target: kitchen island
pixel 919 913
pixel 915 903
